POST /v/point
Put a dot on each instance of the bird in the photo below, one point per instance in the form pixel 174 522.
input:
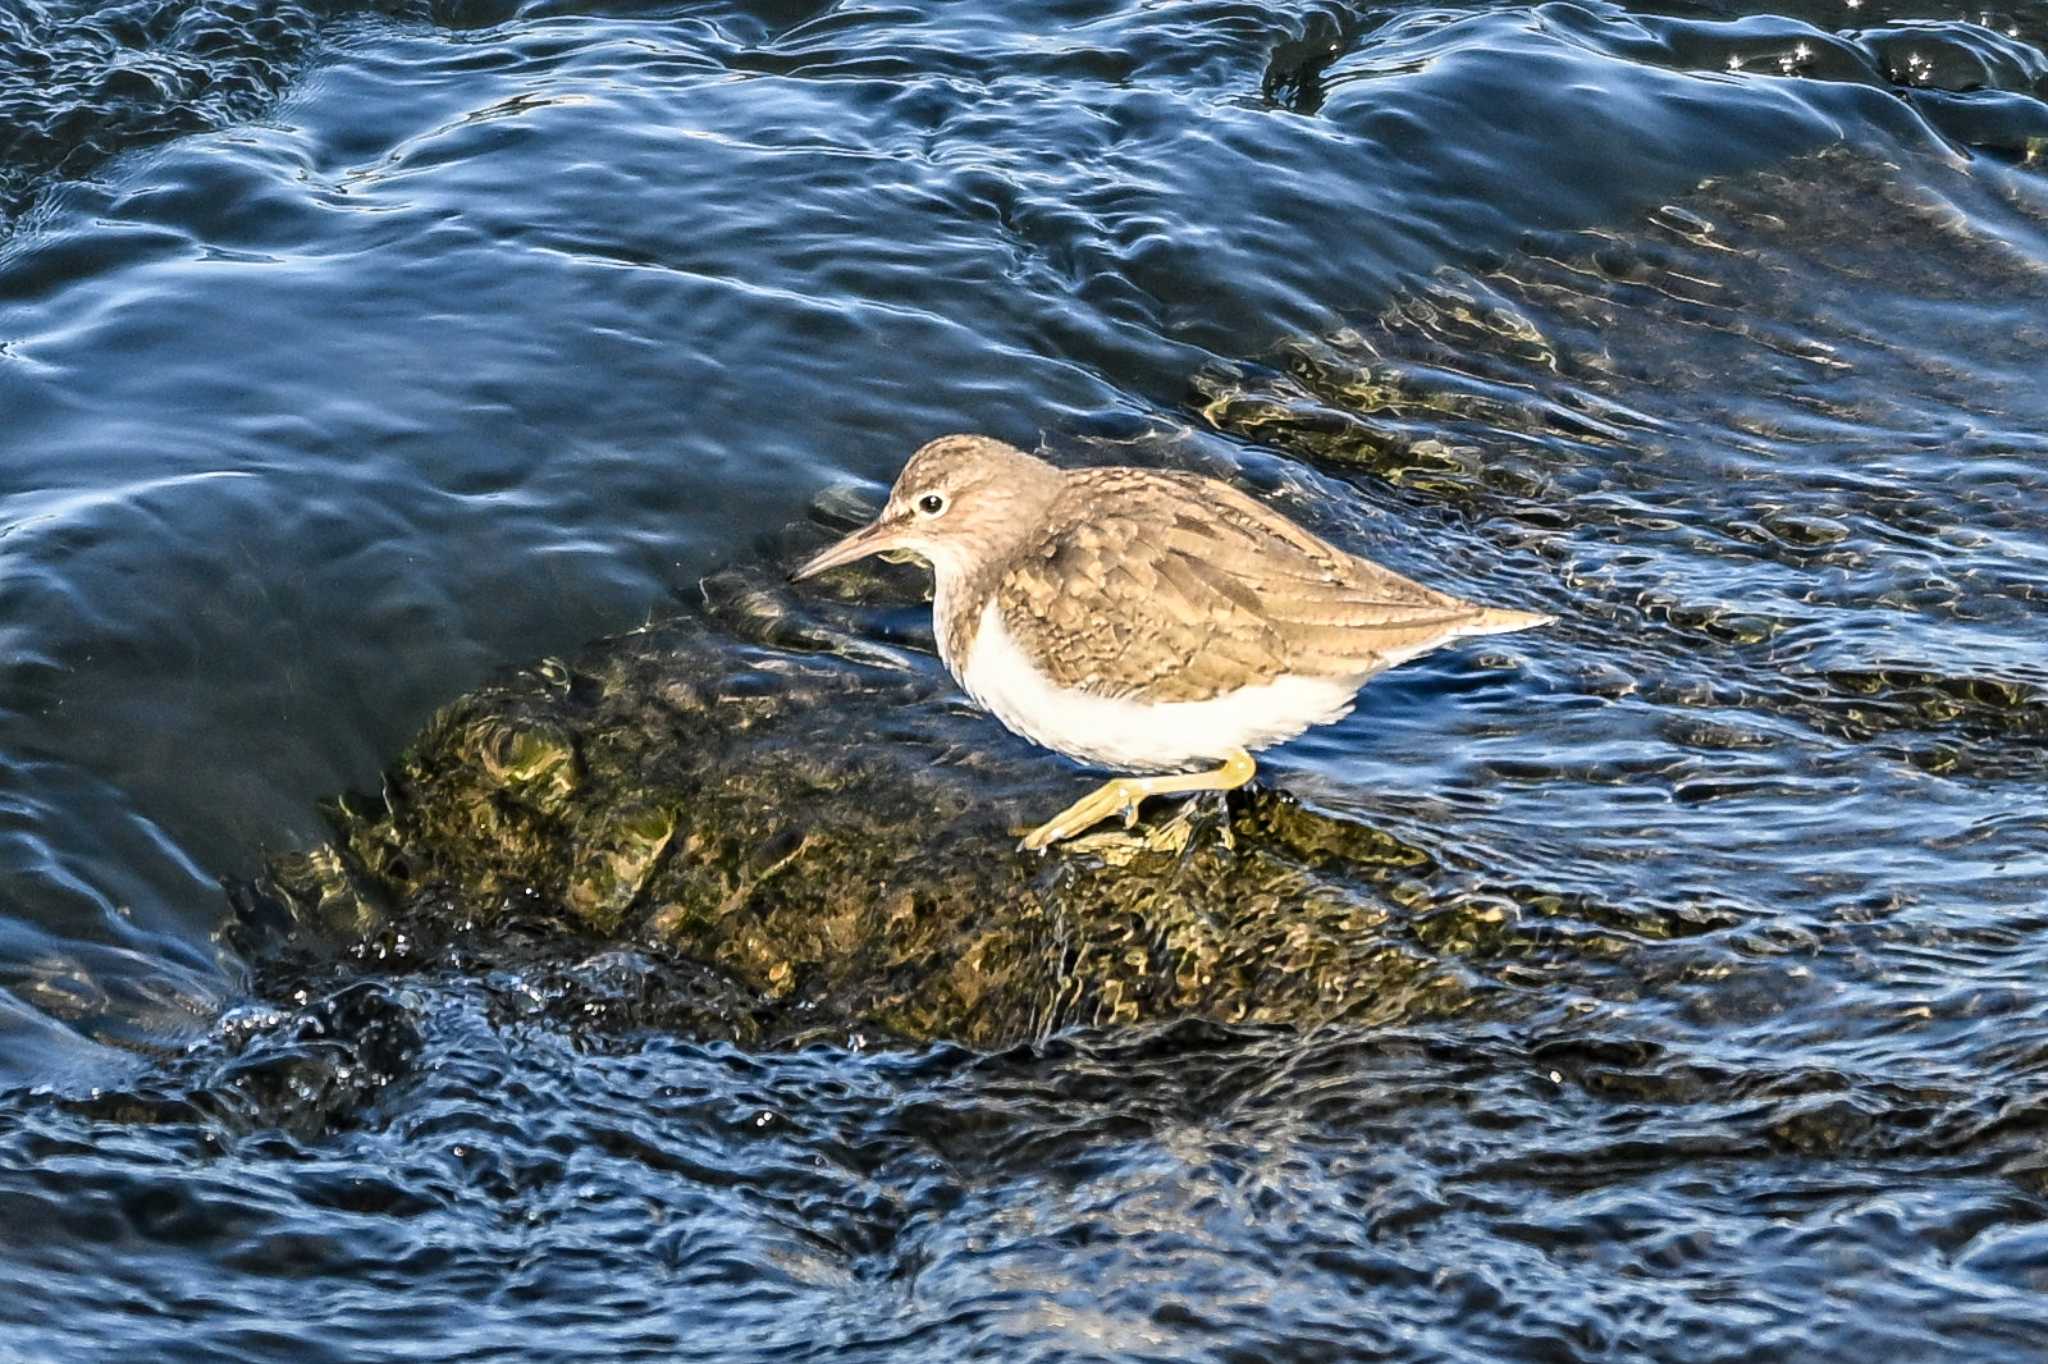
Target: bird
pixel 1159 625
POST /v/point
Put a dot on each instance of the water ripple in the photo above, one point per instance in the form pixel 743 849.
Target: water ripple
pixel 351 352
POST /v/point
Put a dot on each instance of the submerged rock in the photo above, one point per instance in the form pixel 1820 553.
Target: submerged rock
pixel 1784 607
pixel 831 831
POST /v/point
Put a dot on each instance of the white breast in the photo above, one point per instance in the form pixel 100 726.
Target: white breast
pixel 1132 736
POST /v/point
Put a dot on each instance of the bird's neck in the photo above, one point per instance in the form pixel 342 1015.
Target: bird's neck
pixel 961 589
pixel 967 569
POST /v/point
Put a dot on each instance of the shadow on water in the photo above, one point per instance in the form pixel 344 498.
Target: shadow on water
pixel 1664 984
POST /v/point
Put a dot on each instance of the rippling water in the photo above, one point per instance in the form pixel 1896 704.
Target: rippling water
pixel 351 352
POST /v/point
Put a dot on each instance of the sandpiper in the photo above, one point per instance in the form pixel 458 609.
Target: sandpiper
pixel 1142 621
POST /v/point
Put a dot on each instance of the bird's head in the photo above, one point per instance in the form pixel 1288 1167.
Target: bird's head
pixel 961 500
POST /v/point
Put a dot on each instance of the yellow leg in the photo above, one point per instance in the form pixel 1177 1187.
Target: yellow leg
pixel 1122 795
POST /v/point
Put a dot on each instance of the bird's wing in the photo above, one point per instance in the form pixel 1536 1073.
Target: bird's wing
pixel 1171 587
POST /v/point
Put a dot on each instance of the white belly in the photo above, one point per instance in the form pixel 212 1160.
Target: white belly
pixel 1131 736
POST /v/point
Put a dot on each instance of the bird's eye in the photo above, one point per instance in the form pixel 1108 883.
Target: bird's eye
pixel 931 504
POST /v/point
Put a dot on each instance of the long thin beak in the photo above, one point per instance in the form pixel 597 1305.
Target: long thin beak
pixel 873 538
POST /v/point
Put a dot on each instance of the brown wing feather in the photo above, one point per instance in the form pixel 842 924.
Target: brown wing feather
pixel 1172 587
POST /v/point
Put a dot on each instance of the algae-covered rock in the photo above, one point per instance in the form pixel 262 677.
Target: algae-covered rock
pixel 1774 586
pixel 829 829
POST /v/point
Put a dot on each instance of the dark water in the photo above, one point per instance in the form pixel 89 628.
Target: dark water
pixel 350 352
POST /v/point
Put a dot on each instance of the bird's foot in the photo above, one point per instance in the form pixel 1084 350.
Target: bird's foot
pixel 1124 794
pixel 1176 837
pixel 1120 796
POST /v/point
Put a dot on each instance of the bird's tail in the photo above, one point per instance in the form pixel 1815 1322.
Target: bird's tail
pixel 1496 620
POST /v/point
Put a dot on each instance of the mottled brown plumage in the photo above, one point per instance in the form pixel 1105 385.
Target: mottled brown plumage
pixel 1173 587
pixel 1145 621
